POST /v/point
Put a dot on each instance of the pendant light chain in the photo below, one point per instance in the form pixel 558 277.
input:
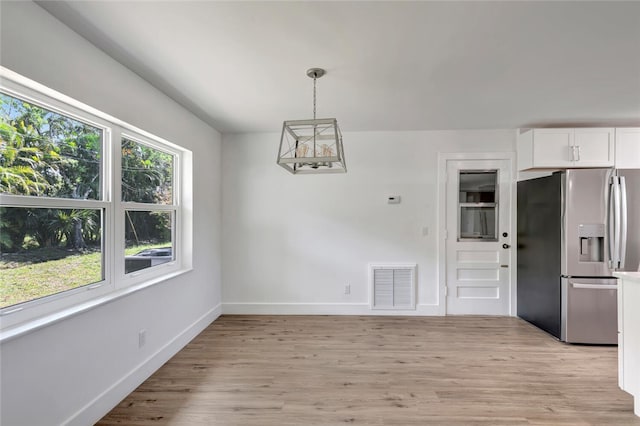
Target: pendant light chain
pixel 315 128
pixel 314 96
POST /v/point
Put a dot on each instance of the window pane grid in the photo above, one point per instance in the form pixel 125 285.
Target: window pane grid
pixel 85 173
pixel 26 201
pixel 478 205
pixel 143 206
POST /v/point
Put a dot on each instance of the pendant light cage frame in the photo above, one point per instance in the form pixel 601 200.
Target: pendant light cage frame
pixel 312 146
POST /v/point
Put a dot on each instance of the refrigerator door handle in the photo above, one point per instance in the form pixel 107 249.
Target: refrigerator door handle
pixel 623 221
pixel 595 286
pixel 616 222
pixel 610 221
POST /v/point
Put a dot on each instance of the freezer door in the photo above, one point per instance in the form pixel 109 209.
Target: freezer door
pixel 584 214
pixel 589 311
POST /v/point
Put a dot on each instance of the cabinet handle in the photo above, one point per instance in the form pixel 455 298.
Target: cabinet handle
pixel 575 153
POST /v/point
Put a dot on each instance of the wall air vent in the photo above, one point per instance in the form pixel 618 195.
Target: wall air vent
pixel 393 286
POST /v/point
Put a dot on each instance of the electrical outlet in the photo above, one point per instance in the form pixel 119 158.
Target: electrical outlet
pixel 347 289
pixel 142 338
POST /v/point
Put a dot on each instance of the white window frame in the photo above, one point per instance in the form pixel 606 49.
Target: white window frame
pixel 135 277
pixel 495 205
pixel 24 317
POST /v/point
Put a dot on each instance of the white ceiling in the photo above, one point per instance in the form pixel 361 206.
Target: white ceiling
pixel 392 65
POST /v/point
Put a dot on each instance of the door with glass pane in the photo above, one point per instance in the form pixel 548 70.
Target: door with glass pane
pixel 478 237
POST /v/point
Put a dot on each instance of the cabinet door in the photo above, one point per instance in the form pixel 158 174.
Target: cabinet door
pixel 628 148
pixel 593 147
pixel 552 148
pixel 631 319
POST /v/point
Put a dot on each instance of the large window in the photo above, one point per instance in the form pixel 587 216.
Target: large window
pixel 88 206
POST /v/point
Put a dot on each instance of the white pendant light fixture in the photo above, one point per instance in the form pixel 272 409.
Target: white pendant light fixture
pixel 312 146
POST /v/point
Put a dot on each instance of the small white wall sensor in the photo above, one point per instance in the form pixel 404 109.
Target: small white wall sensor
pixel 393 199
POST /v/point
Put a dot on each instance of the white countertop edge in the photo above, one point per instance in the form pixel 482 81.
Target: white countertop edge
pixel 628 276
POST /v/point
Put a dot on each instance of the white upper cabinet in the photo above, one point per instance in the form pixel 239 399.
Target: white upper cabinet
pixel 552 147
pixel 565 148
pixel 594 147
pixel 628 148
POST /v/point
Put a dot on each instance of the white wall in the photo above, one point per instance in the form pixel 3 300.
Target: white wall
pixel 291 243
pixel 75 370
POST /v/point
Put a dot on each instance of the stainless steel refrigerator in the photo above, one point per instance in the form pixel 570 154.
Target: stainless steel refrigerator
pixel 575 228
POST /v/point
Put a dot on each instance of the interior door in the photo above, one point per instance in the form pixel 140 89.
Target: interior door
pixel 478 237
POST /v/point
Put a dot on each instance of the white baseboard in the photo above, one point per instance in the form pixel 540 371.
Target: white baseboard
pixel 322 309
pixel 103 403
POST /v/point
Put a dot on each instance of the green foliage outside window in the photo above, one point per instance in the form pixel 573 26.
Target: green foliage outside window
pixel 45 154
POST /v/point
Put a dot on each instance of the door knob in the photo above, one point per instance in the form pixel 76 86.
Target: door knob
pixel 505 246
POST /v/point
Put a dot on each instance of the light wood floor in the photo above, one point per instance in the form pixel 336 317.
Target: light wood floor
pixel 326 370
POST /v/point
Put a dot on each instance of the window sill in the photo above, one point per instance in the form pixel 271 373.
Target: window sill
pixel 47 320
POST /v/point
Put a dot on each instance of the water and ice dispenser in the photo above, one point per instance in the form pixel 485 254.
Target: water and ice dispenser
pixel 591 242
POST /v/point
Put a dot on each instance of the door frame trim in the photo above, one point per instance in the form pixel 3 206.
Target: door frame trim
pixel 443 159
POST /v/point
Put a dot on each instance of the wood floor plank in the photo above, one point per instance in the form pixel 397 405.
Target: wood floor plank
pixel 330 370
